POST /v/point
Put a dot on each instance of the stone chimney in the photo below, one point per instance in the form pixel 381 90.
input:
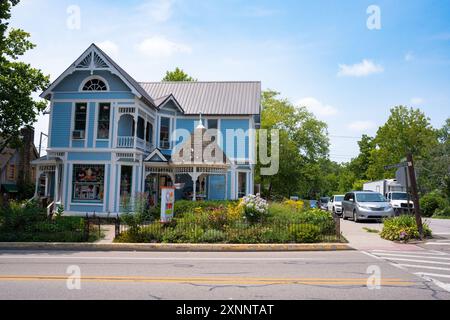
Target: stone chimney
pixel 26 150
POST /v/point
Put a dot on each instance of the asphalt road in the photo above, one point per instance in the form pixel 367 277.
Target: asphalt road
pixel 205 276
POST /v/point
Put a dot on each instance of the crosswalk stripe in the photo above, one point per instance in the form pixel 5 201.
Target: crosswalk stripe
pixel 418 261
pixel 432 274
pixel 437 244
pixel 436 253
pixel 411 256
pixel 423 267
pixel 445 286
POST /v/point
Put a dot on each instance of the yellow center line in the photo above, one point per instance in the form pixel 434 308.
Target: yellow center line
pixel 248 281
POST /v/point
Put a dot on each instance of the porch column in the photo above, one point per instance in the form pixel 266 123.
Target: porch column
pixel 194 175
pixel 38 176
pixel 46 184
pixel 56 194
pixel 135 128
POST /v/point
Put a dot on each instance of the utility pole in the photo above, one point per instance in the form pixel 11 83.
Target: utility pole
pixel 40 142
pixel 415 193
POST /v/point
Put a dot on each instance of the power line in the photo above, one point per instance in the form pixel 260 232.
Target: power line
pixel 345 137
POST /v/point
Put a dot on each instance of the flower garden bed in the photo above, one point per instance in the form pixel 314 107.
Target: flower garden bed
pixel 250 221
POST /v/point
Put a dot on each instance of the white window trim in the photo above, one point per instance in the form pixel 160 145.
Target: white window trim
pixel 247 189
pixel 95 77
pixel 72 123
pixel 70 183
pixel 172 119
pixel 97 114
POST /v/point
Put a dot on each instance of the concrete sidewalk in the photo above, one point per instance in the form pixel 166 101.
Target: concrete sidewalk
pixel 360 239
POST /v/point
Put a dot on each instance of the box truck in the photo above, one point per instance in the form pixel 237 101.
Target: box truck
pixel 394 192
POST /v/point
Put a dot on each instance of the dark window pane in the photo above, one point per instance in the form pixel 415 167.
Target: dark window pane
pixel 80 116
pixel 103 121
pixel 164 136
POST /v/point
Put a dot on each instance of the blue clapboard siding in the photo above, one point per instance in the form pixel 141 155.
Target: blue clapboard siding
pixel 90 125
pixel 93 95
pixel 78 143
pixel 102 144
pixel 235 149
pixel 89 156
pixel 60 127
pixel 217 187
pixel 73 81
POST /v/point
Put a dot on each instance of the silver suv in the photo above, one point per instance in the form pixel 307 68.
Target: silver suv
pixel 366 205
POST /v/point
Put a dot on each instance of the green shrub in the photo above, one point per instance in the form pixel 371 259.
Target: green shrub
pixel 402 228
pixel 305 233
pixel 213 236
pixel 17 216
pixel 276 235
pixel 444 212
pixel 183 207
pixel 432 202
pixel 182 234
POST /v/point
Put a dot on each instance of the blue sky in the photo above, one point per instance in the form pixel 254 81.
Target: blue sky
pixel 319 53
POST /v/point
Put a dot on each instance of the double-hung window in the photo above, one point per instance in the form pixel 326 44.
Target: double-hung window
pixel 80 121
pixel 104 112
pixel 164 135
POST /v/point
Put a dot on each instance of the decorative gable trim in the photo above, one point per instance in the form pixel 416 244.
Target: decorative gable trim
pixel 93 59
pixel 165 100
pixel 155 155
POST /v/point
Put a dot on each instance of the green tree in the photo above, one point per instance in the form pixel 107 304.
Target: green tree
pixel 177 75
pixel 303 142
pixel 406 130
pixel 434 169
pixel 18 81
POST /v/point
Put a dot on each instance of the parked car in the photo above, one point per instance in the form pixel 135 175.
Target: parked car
pixel 313 204
pixel 335 204
pixel 366 205
pixel 323 203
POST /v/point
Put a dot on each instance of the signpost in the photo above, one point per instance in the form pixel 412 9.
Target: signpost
pixel 409 166
pixel 167 204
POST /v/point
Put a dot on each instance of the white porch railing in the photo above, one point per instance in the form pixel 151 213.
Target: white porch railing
pixel 125 142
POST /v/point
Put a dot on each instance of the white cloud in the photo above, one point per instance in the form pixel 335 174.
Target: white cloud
pixel 110 48
pixel 317 107
pixel 361 126
pixel 362 69
pixel 417 101
pixel 409 57
pixel 160 47
pixel 158 10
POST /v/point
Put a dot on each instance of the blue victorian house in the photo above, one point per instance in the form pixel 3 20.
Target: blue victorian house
pixel 112 138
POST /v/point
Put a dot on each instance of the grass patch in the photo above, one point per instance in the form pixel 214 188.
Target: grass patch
pixel 371 230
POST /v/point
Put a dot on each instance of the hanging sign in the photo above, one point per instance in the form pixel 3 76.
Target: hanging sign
pixel 167 204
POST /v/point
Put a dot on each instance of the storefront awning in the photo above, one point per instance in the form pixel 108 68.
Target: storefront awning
pixel 10 188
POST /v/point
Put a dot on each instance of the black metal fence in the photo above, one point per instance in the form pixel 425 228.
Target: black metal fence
pixel 324 230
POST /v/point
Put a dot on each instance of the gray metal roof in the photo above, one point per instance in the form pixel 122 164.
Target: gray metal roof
pixel 210 98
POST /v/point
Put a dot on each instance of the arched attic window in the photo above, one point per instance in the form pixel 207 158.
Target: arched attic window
pixel 95 84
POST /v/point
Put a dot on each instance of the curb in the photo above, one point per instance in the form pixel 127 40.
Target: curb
pixel 144 247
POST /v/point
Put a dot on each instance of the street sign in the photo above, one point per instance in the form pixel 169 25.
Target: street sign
pixel 397 166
